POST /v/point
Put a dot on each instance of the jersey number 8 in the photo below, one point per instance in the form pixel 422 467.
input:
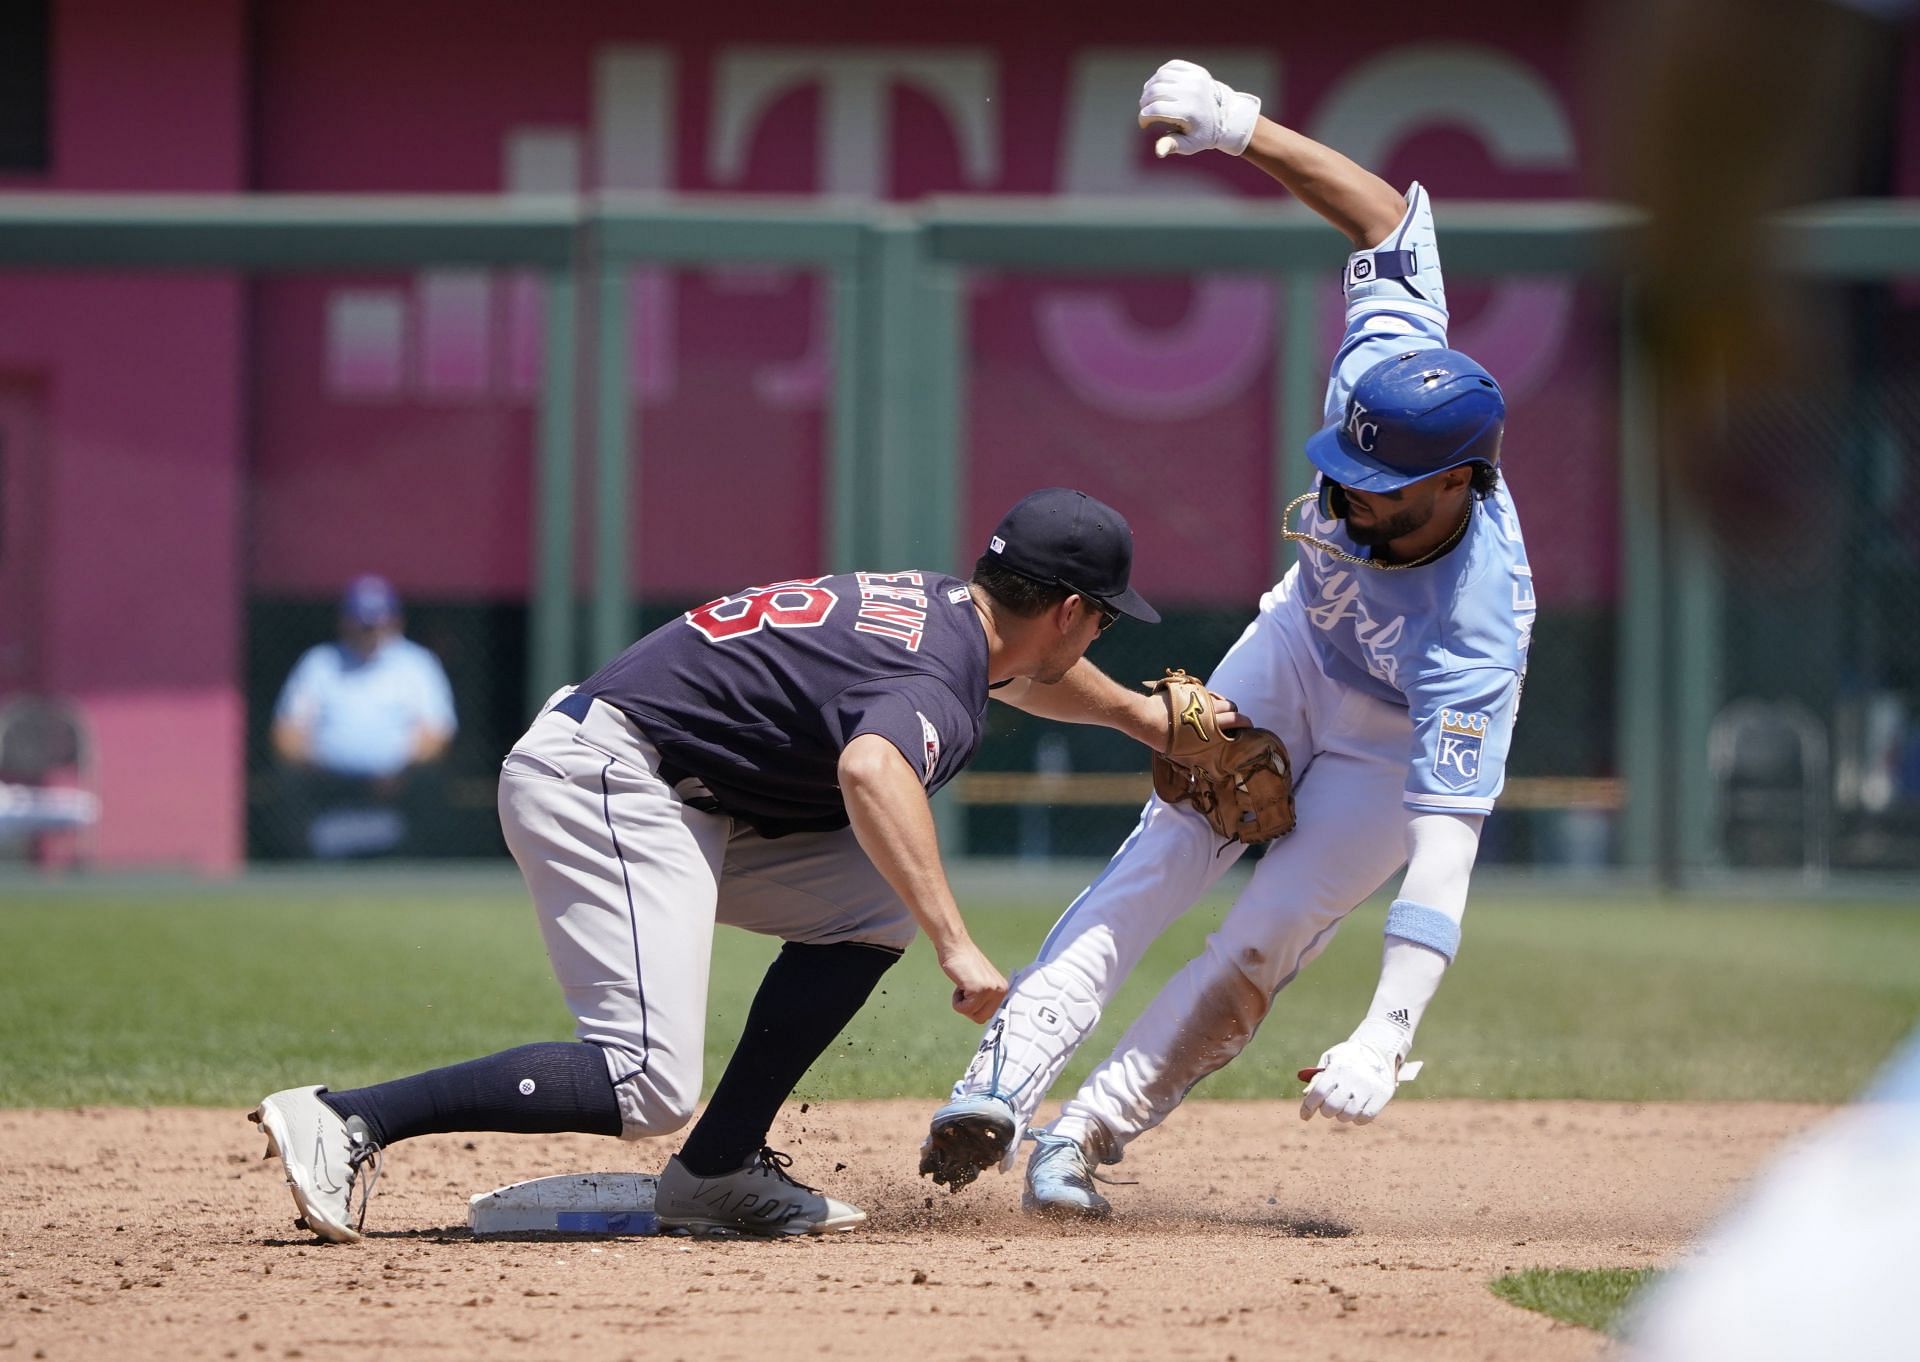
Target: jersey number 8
pixel 779 605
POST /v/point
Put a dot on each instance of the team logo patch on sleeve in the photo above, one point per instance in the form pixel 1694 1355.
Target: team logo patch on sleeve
pixel 930 746
pixel 1463 736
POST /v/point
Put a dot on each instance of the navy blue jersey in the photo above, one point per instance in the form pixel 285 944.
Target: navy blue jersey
pixel 755 694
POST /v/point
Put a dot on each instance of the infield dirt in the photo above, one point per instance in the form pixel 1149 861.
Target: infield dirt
pixel 161 1234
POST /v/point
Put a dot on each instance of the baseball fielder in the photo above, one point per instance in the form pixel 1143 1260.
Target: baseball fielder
pixel 1389 660
pixel 765 761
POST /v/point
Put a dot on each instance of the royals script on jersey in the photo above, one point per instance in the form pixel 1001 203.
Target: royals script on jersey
pixel 1447 640
pixel 755 694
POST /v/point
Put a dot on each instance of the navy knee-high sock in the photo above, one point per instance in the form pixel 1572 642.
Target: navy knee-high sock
pixel 532 1089
pixel 808 997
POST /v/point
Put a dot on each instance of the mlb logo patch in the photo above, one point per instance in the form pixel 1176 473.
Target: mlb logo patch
pixel 1456 758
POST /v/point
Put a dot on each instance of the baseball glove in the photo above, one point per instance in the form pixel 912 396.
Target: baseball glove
pixel 1240 782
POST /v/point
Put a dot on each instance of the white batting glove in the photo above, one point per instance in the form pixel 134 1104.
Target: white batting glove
pixel 1204 114
pixel 1357 1078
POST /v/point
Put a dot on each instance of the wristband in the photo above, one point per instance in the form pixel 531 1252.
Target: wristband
pixel 1424 926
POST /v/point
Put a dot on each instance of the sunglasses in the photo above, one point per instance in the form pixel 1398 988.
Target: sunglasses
pixel 1108 615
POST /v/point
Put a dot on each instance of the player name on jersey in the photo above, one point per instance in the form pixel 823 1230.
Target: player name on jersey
pixel 893 605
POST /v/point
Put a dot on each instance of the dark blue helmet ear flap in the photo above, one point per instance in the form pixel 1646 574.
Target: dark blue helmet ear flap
pixel 1333 499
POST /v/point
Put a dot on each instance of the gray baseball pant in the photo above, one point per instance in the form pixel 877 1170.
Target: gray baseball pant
pixel 628 880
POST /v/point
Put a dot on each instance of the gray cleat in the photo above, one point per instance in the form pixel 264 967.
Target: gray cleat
pixel 325 1158
pixel 757 1198
pixel 1060 1180
pixel 966 1137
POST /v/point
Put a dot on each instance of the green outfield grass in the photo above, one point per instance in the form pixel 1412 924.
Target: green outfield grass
pixel 1594 1298
pixel 117 997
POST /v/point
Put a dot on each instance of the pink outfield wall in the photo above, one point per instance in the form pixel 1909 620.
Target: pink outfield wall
pixel 416 383
pixel 140 385
pixel 207 440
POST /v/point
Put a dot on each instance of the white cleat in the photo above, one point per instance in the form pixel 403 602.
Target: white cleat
pixel 325 1158
pixel 1060 1181
pixel 757 1198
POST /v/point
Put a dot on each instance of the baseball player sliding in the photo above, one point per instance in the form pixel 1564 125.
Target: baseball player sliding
pixel 1388 660
pixel 765 761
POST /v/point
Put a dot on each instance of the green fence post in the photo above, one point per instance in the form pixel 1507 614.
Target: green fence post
pixel 1698 620
pixel 941 385
pixel 931 497
pixel 550 655
pixel 897 461
pixel 1640 741
pixel 917 449
pixel 613 441
pixel 1297 390
pixel 843 505
pixel 911 348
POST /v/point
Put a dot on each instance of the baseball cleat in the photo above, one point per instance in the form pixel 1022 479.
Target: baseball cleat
pixel 756 1199
pixel 325 1158
pixel 1060 1180
pixel 965 1138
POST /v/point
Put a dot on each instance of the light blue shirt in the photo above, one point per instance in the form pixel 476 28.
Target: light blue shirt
pixel 1448 640
pixel 363 714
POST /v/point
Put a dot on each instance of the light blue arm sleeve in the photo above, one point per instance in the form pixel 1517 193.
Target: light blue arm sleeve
pixel 1396 301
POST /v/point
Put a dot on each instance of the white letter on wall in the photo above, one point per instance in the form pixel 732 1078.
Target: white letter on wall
pixel 856 143
pixel 1519 118
pixel 855 149
pixel 1116 365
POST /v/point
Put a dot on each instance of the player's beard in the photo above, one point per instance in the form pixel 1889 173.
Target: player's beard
pixel 1385 530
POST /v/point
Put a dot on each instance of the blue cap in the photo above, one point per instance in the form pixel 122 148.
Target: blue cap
pixel 1409 417
pixel 1066 538
pixel 370 601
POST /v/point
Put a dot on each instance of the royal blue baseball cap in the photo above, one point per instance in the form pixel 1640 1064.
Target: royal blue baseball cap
pixel 1067 538
pixel 370 601
pixel 1409 417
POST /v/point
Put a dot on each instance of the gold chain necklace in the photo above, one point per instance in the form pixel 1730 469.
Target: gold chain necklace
pixel 1340 554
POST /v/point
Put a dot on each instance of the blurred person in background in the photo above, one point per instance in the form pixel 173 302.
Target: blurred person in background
pixel 1753 369
pixel 1751 366
pixel 360 726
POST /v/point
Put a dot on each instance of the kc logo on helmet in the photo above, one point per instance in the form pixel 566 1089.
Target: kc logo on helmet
pixel 1456 759
pixel 1360 430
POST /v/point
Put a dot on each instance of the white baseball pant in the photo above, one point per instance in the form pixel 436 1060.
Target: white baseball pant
pixel 1349 752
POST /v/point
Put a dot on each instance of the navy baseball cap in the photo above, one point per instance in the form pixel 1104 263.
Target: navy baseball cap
pixel 370 601
pixel 1066 538
pixel 1409 417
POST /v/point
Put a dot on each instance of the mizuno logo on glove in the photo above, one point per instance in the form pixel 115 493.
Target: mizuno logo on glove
pixel 1195 715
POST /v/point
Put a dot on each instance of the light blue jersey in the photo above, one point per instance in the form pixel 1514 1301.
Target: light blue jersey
pixel 363 713
pixel 1449 639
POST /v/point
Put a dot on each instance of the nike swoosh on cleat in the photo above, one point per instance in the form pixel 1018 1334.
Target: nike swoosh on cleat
pixel 320 1169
